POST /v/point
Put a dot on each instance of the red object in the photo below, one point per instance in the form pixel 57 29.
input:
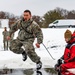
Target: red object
pixel 8 37
pixel 37 45
pixel 67 73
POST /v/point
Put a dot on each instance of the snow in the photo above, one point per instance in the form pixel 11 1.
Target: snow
pixel 53 41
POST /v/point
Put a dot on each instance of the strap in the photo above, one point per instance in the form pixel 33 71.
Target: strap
pixel 27 27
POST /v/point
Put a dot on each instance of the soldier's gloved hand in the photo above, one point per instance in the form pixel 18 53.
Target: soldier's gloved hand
pixel 37 45
pixel 8 37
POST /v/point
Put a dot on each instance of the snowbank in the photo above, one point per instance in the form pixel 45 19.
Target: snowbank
pixel 54 42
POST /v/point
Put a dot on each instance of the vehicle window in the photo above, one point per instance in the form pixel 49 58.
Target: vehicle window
pixel 55 22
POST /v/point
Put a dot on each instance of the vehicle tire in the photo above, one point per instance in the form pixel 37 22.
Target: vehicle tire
pixel 53 27
pixel 70 26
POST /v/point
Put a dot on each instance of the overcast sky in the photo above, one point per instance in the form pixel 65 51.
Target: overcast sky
pixel 37 7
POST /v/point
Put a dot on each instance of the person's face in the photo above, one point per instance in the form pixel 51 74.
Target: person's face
pixel 5 28
pixel 66 39
pixel 26 16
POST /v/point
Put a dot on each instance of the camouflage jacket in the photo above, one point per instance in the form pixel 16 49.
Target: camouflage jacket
pixel 5 34
pixel 27 30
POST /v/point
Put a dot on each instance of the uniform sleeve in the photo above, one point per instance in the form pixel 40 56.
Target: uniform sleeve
pixel 14 28
pixel 38 33
pixel 72 54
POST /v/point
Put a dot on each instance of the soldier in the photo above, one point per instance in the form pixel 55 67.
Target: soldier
pixel 5 41
pixel 28 31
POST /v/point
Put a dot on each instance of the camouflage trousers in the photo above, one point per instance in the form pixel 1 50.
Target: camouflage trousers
pixel 16 47
pixel 6 45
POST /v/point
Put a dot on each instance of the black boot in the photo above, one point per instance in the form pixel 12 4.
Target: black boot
pixel 39 65
pixel 24 55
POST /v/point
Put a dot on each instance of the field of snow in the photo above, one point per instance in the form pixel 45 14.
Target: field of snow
pixel 54 42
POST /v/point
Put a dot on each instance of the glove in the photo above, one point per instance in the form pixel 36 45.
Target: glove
pixel 59 61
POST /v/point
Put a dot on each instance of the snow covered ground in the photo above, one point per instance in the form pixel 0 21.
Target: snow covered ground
pixel 54 42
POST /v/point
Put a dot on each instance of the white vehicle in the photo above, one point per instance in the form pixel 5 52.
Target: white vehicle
pixel 62 23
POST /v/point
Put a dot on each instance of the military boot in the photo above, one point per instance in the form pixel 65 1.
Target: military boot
pixel 24 55
pixel 39 65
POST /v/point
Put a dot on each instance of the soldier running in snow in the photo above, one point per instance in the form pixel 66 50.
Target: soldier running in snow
pixel 28 31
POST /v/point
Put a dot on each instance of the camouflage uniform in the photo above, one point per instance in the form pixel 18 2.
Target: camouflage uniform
pixel 12 36
pixel 26 36
pixel 5 41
